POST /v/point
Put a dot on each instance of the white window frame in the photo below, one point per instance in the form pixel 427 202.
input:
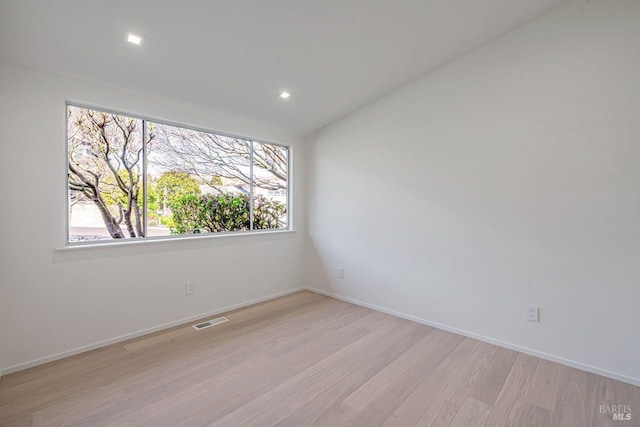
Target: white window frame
pixel 173 237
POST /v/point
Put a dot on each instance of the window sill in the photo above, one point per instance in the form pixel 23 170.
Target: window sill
pixel 163 240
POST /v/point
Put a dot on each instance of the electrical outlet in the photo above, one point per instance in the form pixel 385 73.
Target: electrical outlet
pixel 341 273
pixel 189 288
pixel 533 313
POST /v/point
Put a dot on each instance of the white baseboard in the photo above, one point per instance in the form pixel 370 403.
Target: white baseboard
pixel 551 357
pixel 27 365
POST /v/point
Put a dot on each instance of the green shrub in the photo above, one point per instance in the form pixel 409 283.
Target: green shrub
pixel 216 213
pixel 267 213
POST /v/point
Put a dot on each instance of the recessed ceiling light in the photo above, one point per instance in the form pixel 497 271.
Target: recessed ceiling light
pixel 284 95
pixel 134 39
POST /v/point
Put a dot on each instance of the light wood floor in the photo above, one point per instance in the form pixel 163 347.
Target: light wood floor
pixel 305 359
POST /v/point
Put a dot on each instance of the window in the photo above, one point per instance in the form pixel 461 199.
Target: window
pixel 133 178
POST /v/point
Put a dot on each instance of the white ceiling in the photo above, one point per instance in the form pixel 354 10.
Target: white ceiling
pixel 334 56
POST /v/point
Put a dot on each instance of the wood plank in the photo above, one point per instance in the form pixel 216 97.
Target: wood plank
pixel 252 385
pixel 159 339
pixel 472 413
pixel 571 400
pixel 600 391
pixel 604 396
pixel 171 401
pixel 534 416
pixel 449 400
pixel 629 395
pixel 272 407
pixel 338 415
pixel 512 400
pixel 111 359
pixel 372 389
pixel 492 380
pixel 24 382
pixel 117 372
pixel 383 406
pixel 143 380
pixel 387 350
pixel 413 407
pixel 544 389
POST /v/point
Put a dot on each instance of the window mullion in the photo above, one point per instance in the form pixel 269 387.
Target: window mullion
pixel 144 178
pixel 251 187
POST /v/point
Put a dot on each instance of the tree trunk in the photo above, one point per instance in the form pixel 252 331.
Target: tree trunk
pixel 109 221
pixel 138 219
pixel 127 222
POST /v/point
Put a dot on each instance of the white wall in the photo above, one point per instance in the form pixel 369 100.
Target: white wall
pixel 55 301
pixel 509 177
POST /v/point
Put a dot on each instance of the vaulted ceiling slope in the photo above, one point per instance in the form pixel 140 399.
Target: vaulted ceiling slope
pixel 334 56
